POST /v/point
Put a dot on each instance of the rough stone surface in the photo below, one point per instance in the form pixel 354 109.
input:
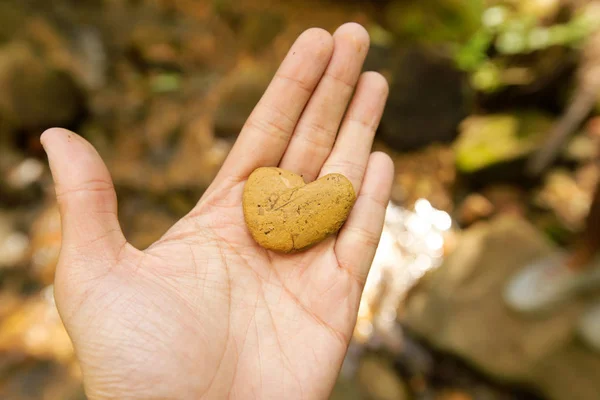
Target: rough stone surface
pixel 284 214
pixel 459 309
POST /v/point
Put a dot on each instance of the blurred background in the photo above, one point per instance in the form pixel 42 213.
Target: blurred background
pixel 478 87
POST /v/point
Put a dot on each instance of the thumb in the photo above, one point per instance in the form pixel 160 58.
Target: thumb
pixel 85 194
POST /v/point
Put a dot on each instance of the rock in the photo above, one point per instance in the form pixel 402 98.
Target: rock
pixel 34 96
pixel 427 101
pixel 284 214
pixel 379 381
pixel 246 86
pixel 459 309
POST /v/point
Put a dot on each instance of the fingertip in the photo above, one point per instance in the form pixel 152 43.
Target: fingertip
pixel 377 82
pixel 44 137
pixel 54 137
pixel 379 177
pixel 355 32
pixel 317 38
pixel 383 161
pixel 71 157
pixel 50 134
pixel 315 33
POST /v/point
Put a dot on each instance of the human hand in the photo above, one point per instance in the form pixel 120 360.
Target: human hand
pixel 205 312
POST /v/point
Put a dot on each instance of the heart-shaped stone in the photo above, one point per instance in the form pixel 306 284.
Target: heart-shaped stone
pixel 285 214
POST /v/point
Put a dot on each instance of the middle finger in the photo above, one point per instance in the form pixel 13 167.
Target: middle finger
pixel 315 133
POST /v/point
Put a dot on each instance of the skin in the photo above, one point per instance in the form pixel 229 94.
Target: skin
pixel 205 313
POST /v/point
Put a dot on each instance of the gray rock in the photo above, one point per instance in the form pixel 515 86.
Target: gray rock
pixel 459 309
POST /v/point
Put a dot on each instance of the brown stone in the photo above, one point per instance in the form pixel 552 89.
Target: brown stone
pixel 284 214
pixel 460 309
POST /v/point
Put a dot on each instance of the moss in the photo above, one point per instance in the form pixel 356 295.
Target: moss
pixel 491 139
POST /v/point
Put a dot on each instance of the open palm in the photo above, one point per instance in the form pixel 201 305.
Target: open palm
pixel 205 312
